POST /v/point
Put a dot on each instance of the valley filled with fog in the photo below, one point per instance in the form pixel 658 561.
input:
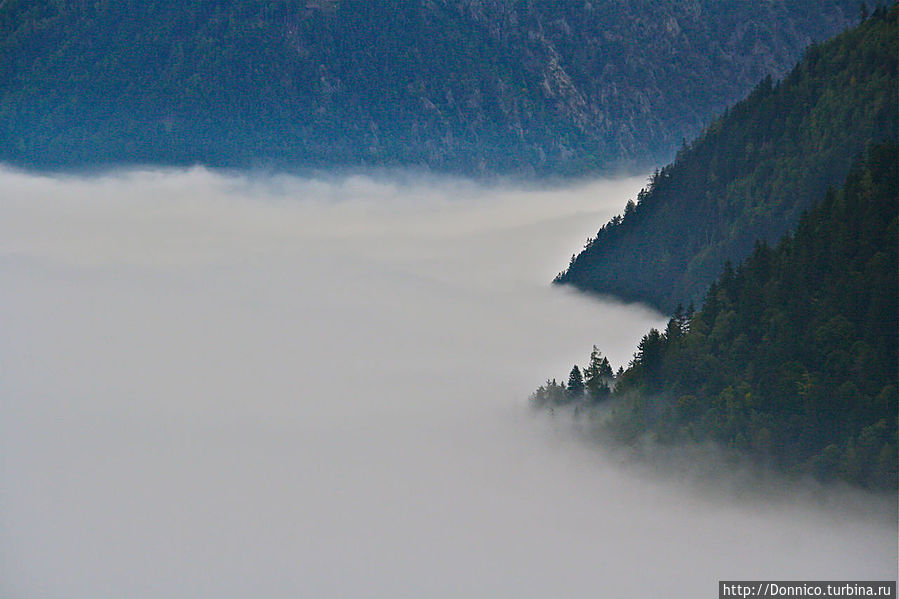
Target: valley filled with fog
pixel 266 386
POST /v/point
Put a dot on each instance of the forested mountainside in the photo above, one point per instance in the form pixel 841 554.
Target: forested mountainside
pixel 792 358
pixel 751 174
pixel 514 86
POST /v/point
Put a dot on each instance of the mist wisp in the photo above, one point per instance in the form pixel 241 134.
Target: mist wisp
pixel 223 386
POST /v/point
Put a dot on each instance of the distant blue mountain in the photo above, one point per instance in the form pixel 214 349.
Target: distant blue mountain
pixel 473 86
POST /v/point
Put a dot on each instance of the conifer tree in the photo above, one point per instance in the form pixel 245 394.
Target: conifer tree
pixel 598 375
pixel 575 383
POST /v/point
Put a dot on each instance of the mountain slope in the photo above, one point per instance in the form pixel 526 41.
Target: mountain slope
pixel 751 174
pixel 466 85
pixel 792 358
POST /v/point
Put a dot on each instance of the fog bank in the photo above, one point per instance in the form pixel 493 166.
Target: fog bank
pixel 230 386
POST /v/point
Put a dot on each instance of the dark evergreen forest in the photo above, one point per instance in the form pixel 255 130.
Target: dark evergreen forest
pixel 752 173
pixel 792 358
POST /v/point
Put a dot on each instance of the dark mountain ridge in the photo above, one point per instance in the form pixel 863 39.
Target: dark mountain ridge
pixel 792 358
pixel 751 174
pixel 475 86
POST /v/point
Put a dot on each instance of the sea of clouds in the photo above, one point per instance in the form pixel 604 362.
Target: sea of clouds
pixel 220 385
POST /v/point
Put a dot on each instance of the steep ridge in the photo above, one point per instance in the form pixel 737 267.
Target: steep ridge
pixel 751 174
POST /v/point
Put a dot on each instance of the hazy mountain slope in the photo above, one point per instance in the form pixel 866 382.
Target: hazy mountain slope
pixel 752 173
pixel 469 85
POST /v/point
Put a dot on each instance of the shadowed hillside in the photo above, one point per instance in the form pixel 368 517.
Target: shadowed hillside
pixel 751 174
pixel 472 86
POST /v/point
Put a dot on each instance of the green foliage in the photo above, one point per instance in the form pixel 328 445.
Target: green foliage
pixel 486 85
pixel 793 357
pixel 751 174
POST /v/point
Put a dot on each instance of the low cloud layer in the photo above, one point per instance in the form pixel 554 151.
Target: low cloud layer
pixel 276 387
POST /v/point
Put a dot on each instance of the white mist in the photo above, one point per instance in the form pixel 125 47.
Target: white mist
pixel 228 387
